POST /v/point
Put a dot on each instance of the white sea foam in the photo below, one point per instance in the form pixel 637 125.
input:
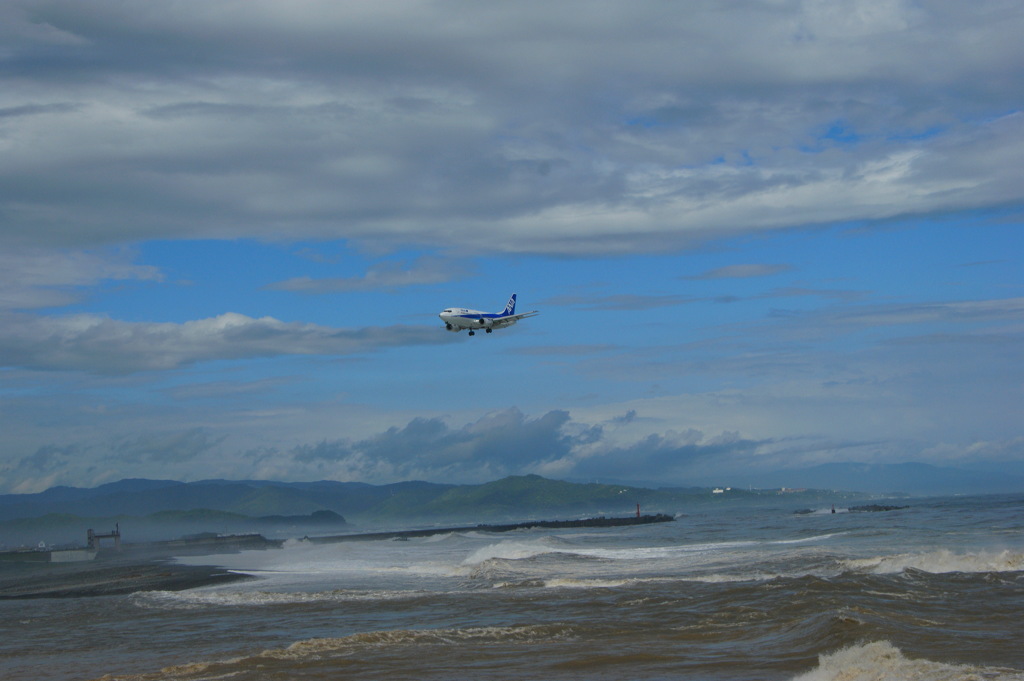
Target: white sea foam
pixel 183 600
pixel 881 661
pixel 518 550
pixel 512 550
pixel 529 633
pixel 941 561
pixel 570 583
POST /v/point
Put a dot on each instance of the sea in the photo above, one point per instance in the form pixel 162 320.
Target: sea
pixel 751 590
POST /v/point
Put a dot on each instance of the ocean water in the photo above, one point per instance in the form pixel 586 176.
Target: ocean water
pixel 931 592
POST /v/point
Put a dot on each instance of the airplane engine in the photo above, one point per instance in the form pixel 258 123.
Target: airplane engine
pixel 484 321
pixel 449 327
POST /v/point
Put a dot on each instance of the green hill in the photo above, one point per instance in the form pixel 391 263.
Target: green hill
pixel 166 509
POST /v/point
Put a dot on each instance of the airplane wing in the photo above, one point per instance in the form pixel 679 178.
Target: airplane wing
pixel 513 318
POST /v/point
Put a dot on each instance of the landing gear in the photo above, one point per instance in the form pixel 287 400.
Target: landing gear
pixel 489 330
pixel 472 333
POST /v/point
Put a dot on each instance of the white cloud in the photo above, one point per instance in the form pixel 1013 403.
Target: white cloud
pixel 38 278
pixel 101 345
pixel 386 275
pixel 572 129
pixel 568 129
pixel 745 271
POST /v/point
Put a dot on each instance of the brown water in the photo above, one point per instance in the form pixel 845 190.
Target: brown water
pixel 935 591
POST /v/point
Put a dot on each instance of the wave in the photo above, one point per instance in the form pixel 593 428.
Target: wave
pixel 338 650
pixel 522 634
pixel 940 561
pixel 195 599
pixel 882 661
pixel 520 550
pixel 514 550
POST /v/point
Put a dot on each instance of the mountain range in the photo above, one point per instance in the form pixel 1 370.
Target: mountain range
pixel 156 508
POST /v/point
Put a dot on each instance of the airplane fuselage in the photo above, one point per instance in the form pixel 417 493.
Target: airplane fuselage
pixel 458 318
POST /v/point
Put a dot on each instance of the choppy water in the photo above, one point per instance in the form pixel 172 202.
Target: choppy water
pixel 932 592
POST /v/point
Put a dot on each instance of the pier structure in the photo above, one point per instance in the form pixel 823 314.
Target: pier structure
pixel 94 539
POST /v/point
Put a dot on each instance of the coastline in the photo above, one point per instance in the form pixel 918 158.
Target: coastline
pixel 150 566
pixel 108 578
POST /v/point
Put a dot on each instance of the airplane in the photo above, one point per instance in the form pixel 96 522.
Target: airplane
pixel 458 318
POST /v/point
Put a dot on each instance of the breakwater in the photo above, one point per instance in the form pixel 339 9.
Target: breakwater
pixel 528 525
pixel 212 543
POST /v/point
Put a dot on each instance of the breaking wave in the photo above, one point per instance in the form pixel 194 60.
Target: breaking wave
pixel 341 649
pixel 196 599
pixel 882 661
pixel 940 561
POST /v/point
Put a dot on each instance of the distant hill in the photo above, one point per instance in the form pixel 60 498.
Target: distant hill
pixel 63 528
pixel 159 507
pixel 248 498
pixel 514 497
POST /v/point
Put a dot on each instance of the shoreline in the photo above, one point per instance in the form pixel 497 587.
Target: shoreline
pixel 152 567
pixel 108 578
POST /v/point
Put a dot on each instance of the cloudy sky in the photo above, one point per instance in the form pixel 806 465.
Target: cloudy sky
pixel 761 235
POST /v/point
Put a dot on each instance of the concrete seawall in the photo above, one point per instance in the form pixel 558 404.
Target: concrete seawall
pixel 544 524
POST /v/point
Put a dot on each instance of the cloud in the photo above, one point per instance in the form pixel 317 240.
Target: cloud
pixel 638 302
pixel 672 457
pixel 741 272
pixel 512 130
pixel 37 109
pixel 564 350
pixel 38 278
pixel 659 442
pixel 622 301
pixel 854 317
pixel 167 447
pixel 498 444
pixel 509 443
pixel 573 129
pixel 101 345
pixel 382 276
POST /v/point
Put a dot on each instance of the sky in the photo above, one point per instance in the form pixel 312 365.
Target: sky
pixel 761 236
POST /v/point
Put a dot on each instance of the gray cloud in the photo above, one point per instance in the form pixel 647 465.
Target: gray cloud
pixel 37 109
pixel 741 272
pixel 382 276
pixel 854 317
pixel 95 461
pixel 100 345
pixel 167 447
pixel 637 302
pixel 673 457
pixel 515 129
pixel 652 447
pixel 623 301
pixel 509 443
pixel 38 278
pixel 497 444
pixel 574 128
pixel 564 350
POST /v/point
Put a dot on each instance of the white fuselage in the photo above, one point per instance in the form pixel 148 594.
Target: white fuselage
pixel 457 318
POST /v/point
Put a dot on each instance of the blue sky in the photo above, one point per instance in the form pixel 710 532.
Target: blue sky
pixel 226 232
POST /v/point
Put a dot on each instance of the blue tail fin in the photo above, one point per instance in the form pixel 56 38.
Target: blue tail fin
pixel 510 308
